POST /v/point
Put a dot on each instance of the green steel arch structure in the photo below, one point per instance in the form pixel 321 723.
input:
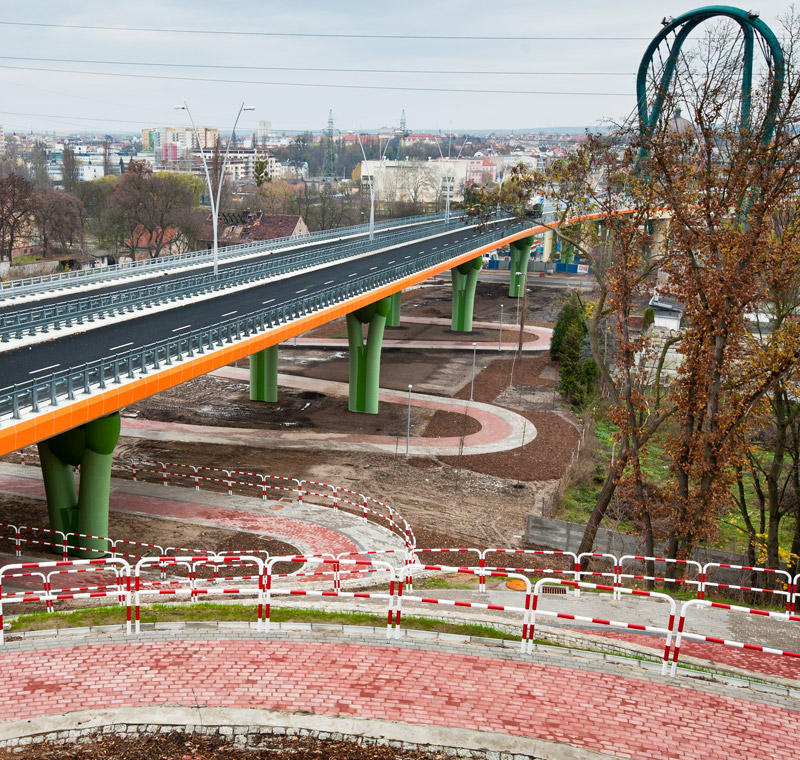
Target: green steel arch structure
pixel 682 26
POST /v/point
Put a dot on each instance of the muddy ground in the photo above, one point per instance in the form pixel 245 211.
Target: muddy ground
pixel 456 500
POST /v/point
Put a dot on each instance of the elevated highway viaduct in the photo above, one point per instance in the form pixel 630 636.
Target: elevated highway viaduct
pixel 71 360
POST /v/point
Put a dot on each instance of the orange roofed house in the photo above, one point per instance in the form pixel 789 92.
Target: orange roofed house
pixel 245 227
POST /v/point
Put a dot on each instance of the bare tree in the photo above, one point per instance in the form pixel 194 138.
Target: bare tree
pixel 16 195
pixel 38 165
pixel 70 170
pixel 153 210
pixel 59 218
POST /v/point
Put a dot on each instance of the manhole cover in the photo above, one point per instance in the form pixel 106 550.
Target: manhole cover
pixel 516 584
pixel 277 506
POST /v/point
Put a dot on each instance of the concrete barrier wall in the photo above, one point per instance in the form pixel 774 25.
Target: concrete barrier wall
pixel 566 537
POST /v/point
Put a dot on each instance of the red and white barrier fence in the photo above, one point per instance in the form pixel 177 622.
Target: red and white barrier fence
pixel 414 556
pixel 190 586
pixel 48 595
pixel 575 571
pixel 358 566
pixel 767 572
pixel 130 585
pixel 230 480
pixel 795 592
pixel 697 581
pixel 19 539
pixel 525 611
pixel 682 634
pixel 665 631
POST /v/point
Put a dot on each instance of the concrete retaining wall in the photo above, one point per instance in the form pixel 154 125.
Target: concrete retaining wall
pixel 566 537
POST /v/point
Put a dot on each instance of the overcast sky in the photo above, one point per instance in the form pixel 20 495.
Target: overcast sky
pixel 67 97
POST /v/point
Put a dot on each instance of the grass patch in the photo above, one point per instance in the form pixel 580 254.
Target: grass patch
pixel 22 260
pixel 447 581
pixel 170 613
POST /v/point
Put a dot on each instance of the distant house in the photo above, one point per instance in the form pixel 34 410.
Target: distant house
pixel 667 312
pixel 271 226
pixel 244 227
pixel 143 242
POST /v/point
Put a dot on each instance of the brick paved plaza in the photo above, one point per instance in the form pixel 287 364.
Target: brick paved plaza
pixel 598 707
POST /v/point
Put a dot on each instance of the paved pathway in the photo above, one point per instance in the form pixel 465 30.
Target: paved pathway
pixel 501 429
pixel 540 342
pixel 612 711
pixel 316 529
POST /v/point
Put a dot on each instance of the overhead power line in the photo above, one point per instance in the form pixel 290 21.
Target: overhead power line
pixel 321 35
pixel 250 82
pixel 323 69
pixel 103 119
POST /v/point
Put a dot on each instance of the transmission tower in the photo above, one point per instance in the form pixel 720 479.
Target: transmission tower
pixel 401 134
pixel 329 171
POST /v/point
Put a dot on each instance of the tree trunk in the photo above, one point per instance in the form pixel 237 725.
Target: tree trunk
pixel 601 505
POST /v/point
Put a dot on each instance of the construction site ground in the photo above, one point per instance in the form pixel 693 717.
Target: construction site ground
pixel 450 500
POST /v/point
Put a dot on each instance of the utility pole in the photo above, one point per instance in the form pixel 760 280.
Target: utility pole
pixel 329 172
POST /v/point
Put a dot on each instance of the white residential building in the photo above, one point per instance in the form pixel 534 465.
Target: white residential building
pixel 427 181
pixel 241 163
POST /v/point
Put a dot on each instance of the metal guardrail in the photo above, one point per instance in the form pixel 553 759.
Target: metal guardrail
pixel 30 321
pixel 166 263
pixel 31 395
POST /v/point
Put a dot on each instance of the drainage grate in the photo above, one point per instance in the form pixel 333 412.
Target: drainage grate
pixel 554 590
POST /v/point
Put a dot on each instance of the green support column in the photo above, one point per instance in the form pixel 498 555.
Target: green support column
pixel 264 375
pixel 365 359
pixel 465 278
pixel 89 447
pixel 393 320
pixel 520 255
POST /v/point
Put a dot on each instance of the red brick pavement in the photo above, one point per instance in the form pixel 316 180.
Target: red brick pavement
pixel 757 662
pixel 318 537
pixel 612 714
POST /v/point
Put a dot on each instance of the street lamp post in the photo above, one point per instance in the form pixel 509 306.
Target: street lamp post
pixel 472 384
pixel 408 424
pixel 212 198
pixel 450 179
pixel 500 340
pixel 372 184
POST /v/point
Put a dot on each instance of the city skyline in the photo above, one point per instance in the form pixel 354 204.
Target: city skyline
pixel 60 72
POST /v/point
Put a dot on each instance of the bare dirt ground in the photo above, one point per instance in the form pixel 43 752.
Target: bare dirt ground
pixel 459 500
pixel 179 746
